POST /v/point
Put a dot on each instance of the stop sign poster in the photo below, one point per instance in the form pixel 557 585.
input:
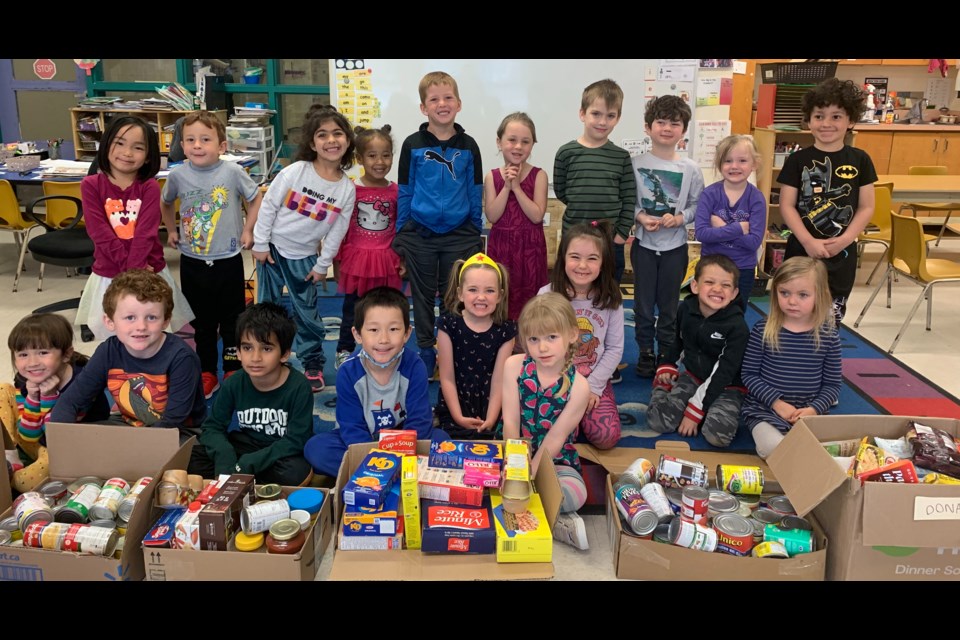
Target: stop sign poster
pixel 44 68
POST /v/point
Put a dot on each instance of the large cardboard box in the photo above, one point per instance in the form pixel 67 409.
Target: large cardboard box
pixel 189 564
pixel 878 531
pixel 6 495
pixel 411 564
pixel 639 559
pixel 106 451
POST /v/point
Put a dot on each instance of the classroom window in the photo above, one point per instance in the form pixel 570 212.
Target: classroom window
pixel 139 70
pixel 304 72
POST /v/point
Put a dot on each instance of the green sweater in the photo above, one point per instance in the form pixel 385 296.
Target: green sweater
pixel 281 419
pixel 595 184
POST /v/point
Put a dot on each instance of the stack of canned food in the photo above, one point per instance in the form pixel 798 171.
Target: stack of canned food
pixel 88 516
pixel 671 503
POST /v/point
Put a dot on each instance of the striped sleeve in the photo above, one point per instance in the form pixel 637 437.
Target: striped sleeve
pixel 34 415
pixel 758 385
pixel 832 373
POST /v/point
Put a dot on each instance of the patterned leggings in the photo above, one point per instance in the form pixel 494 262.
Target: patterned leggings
pixel 601 427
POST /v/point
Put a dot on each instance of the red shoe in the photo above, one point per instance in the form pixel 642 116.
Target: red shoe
pixel 315 378
pixel 210 384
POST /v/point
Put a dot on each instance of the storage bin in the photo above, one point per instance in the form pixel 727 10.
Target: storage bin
pixel 797 72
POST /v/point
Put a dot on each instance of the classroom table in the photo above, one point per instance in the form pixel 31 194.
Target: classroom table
pixel 915 188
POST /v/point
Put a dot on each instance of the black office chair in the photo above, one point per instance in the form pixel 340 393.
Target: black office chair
pixel 67 246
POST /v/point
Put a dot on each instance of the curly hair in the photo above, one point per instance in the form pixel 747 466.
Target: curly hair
pixel 670 107
pixel 145 285
pixel 316 115
pixel 845 94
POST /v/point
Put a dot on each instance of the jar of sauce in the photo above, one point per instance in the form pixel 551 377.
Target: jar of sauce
pixel 285 537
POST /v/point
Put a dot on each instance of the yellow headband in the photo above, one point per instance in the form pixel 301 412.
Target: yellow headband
pixel 481 259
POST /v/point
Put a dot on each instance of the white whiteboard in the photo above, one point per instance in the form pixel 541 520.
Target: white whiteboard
pixel 549 91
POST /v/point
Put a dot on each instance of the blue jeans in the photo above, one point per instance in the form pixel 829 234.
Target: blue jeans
pixel 271 279
pixel 657 278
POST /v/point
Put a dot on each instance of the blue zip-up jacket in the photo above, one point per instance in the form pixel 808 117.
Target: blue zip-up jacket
pixel 440 183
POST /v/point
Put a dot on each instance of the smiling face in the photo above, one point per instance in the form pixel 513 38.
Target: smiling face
pixel 330 142
pixel 598 120
pixel 377 159
pixel 739 164
pixel 138 325
pixel 582 263
pixel 829 125
pixel 516 143
pixel 479 292
pixel 440 105
pixel 201 145
pixel 715 289
pixel 383 334
pixel 128 152
pixel 665 133
pixel 37 365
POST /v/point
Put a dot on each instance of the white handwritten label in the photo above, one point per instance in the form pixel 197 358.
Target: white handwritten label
pixel 945 508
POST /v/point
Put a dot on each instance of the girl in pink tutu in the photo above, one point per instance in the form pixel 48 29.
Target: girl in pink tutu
pixel 366 258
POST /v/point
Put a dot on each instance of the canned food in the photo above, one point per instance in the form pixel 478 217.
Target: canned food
pixel 695 502
pixel 691 535
pixel 721 502
pixel 794 541
pixel 674 472
pixel 795 522
pixel 781 504
pixel 104 523
pixel 654 496
pixel 769 549
pixel 766 516
pixel 641 471
pixel 740 479
pixel 748 504
pixel 734 534
pixel 5 537
pixel 638 515
pixel 662 532
pixel 53 491
pixel 118 550
pixel 129 502
pixel 77 484
pixel 268 492
pixel 112 492
pixel 31 507
pixel 82 538
pixel 758 528
pixel 78 506
pixel 9 524
pixel 675 498
pixel 258 517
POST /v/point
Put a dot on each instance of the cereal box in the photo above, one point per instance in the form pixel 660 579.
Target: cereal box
pixel 410 496
pixel 371 482
pixel 450 454
pixel 373 521
pixel 456 529
pixel 522 537
pixel 399 441
pixel 372 543
pixel 446 485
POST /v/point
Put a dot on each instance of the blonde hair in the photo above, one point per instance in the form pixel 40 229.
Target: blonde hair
pixel 823 321
pixel 730 143
pixel 451 299
pixel 435 78
pixel 545 314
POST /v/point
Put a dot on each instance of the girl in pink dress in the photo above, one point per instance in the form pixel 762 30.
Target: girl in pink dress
pixel 515 200
pixel 366 258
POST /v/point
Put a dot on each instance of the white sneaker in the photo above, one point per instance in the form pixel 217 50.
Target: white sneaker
pixel 571 530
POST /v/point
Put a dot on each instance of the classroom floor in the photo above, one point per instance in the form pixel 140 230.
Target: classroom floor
pixel 934 354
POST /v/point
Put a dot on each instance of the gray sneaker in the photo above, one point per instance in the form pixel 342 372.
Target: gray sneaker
pixel 571 530
pixel 341 358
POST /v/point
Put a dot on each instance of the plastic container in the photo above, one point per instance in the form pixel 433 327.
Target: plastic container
pixel 309 500
pixel 248 542
pixel 301 516
pixel 797 72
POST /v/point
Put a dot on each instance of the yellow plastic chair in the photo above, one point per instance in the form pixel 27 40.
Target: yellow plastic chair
pixel 12 220
pixel 948 207
pixel 60 212
pixel 908 257
pixel 880 229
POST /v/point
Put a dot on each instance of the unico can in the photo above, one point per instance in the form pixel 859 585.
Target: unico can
pixel 641 519
pixel 691 535
pixel 734 534
pixel 674 472
pixel 113 491
pixel 640 472
pixel 739 479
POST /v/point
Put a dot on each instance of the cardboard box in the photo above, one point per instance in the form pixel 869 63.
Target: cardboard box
pixel 524 544
pixel 106 451
pixel 411 564
pixel 878 531
pixel 639 559
pixel 232 565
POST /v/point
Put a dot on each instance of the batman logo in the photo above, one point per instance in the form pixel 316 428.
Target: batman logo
pixel 846 171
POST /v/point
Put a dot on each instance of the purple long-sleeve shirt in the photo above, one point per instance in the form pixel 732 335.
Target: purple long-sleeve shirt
pixel 730 240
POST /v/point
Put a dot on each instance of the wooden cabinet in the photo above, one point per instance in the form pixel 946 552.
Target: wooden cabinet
pixel 878 145
pixel 88 126
pixel 909 149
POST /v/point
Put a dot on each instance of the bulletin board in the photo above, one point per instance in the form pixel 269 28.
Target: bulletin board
pixel 376 91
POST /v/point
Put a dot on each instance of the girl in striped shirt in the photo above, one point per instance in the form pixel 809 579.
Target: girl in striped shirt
pixel 792 364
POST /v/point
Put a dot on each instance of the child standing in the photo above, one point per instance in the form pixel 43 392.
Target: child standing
pixel 544 398
pixel 211 234
pixel 441 187
pixel 515 201
pixel 827 194
pixel 383 387
pixel 593 176
pixel 308 201
pixel 366 258
pixel 152 376
pixel 792 364
pixel 41 346
pixel 731 214
pixel 711 336
pixel 668 188
pixel 474 338
pixel 583 274
pixel 121 211
pixel 271 403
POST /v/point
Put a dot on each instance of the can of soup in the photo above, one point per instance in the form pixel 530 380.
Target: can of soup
pixel 691 535
pixel 740 479
pixel 674 472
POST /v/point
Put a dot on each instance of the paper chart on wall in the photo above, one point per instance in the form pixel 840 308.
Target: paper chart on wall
pixel 355 97
pixel 939 92
pixel 708 91
pixel 708 134
pixel 680 70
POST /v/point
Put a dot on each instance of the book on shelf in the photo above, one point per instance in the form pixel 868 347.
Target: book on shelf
pixel 100 101
pixel 177 95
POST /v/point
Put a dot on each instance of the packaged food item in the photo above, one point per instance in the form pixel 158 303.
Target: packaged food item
pixel 842 448
pixel 410 498
pixel 403 441
pixel 371 482
pixel 934 449
pixel 899 471
pixel 939 478
pixel 450 454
